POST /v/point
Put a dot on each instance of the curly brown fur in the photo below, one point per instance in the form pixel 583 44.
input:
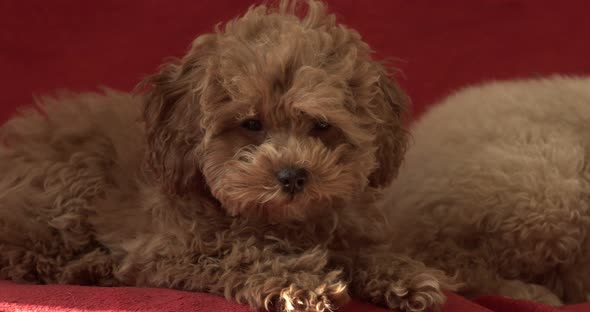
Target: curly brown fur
pixel 496 189
pixel 168 189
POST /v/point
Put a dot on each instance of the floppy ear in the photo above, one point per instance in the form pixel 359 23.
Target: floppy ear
pixel 172 117
pixel 392 136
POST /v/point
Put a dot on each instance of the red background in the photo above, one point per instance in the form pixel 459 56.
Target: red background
pixel 441 46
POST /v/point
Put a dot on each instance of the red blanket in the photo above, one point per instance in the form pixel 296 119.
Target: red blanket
pixel 49 45
pixel 25 298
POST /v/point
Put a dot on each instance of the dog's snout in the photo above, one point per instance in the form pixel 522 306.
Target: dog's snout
pixel 292 179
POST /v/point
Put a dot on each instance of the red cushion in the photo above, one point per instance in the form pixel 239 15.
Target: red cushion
pixel 15 298
pixel 24 298
pixel 79 45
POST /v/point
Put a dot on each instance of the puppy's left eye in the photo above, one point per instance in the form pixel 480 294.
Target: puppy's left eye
pixel 321 126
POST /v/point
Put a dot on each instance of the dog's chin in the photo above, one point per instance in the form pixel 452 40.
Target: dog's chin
pixel 279 208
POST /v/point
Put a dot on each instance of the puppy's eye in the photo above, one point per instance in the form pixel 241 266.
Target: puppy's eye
pixel 252 125
pixel 321 126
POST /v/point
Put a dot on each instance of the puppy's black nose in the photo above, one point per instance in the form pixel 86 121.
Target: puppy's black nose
pixel 292 179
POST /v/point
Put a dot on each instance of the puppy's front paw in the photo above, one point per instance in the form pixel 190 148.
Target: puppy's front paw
pixel 520 290
pixel 419 293
pixel 322 299
pixel 415 292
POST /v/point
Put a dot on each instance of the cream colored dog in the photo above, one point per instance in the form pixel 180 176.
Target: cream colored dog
pixel 496 188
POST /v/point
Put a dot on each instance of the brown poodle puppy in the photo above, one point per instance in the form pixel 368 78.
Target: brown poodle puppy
pixel 496 188
pixel 250 168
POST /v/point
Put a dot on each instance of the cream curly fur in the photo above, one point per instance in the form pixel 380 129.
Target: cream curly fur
pixel 496 187
pixel 168 189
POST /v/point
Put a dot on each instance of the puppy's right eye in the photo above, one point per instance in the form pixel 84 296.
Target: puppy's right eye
pixel 252 125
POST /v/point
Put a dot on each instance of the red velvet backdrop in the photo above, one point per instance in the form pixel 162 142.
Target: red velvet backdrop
pixel 441 45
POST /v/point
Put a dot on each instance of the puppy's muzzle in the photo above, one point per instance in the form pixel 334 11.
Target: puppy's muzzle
pixel 292 180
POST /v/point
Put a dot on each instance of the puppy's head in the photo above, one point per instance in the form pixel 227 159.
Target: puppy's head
pixel 278 115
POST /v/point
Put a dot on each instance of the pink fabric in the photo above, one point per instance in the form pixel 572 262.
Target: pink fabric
pixel 59 298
